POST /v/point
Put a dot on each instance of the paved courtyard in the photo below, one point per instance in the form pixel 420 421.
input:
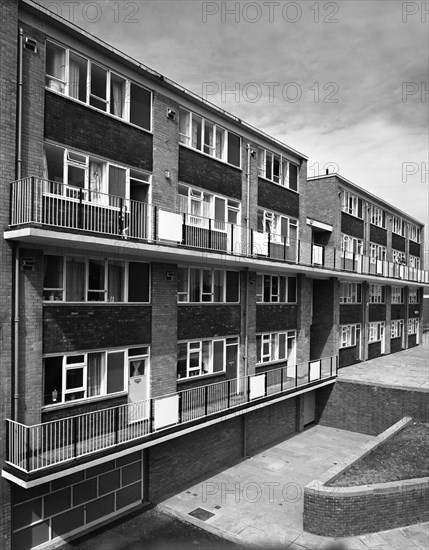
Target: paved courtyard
pixel 406 369
pixel 260 500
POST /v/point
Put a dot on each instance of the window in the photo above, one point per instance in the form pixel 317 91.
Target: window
pixel 397 295
pixel 277 169
pixel 350 293
pixel 414 233
pixel 398 226
pixel 375 332
pixel 281 228
pixel 413 296
pixel 201 357
pixel 349 335
pixel 275 289
pixel 377 294
pixel 397 328
pixel 207 285
pixel 413 325
pixel 96 177
pixel 80 78
pixel 276 346
pixel 414 262
pixel 209 138
pixel 351 245
pixel 377 252
pixel 352 204
pixel 377 216
pixel 85 375
pixel 78 279
pixel 398 257
pixel 202 206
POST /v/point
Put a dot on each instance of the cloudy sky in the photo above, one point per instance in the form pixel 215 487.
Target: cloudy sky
pixel 343 82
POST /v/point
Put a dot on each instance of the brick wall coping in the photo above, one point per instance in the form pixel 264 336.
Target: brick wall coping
pixel 319 485
pixel 381 385
pixel 348 511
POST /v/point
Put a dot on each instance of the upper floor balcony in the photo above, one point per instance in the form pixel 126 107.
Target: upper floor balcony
pixel 59 207
pixel 36 451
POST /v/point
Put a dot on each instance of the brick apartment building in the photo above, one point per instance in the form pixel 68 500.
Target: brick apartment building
pixel 175 291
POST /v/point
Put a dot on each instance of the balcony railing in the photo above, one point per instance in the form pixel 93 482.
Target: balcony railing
pixel 38 201
pixel 34 448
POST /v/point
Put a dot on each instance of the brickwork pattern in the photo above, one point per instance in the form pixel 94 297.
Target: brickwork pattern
pixel 275 317
pixel 277 198
pixel 207 321
pixel 350 225
pixel 378 235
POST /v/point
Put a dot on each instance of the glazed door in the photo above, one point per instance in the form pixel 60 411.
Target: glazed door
pixel 138 388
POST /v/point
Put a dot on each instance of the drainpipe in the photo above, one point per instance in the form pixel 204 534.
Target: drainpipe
pixel 246 310
pixel 15 249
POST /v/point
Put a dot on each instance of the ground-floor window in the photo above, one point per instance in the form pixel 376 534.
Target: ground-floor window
pixel 413 325
pixel 276 346
pixel 202 357
pixel 376 332
pixel 85 375
pixel 397 328
pixel 349 335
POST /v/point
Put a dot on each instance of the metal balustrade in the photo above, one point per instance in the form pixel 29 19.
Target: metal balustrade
pixel 34 448
pixel 38 201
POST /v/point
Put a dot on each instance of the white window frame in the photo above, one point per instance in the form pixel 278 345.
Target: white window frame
pixel 184 295
pixel 275 298
pixel 413 325
pixel 413 296
pixel 283 177
pixel 398 226
pixel 414 233
pixel 351 245
pixel 398 257
pixel 109 73
pixel 350 204
pixel 414 261
pixel 348 335
pixel 376 331
pixel 398 295
pixel 377 294
pixel 377 252
pixel 396 328
pixel 195 347
pixel 107 298
pixel 350 293
pixel 271 340
pixel 186 121
pixel 377 216
pixel 273 220
pixel 83 365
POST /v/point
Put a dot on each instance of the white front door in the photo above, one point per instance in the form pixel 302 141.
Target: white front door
pixel 138 388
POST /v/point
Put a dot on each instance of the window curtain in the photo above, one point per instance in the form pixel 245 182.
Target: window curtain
pixel 75 274
pixel 95 373
pixel 95 181
pixel 73 79
pixel 117 97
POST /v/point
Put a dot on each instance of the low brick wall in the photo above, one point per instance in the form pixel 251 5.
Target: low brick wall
pixel 349 511
pixel 369 408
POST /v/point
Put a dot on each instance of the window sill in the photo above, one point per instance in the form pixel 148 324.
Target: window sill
pixel 208 303
pixel 278 184
pixel 80 402
pixel 282 362
pixel 210 156
pixel 353 215
pixel 114 117
pixel 201 377
pixel 379 226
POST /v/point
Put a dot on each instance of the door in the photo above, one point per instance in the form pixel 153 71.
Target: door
pixel 138 388
pixel 383 339
pixel 309 407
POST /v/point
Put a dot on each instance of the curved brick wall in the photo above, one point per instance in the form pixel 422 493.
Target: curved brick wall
pixel 348 511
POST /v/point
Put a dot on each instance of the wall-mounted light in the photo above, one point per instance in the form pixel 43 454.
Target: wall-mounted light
pixel 171 114
pixel 167 174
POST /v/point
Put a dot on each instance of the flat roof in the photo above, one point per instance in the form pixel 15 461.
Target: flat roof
pixel 367 193
pixel 168 83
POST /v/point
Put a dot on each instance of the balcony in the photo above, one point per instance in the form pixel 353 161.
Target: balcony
pixel 38 449
pixel 56 206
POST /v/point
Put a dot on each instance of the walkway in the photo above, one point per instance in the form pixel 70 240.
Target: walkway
pixel 405 369
pixel 260 500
